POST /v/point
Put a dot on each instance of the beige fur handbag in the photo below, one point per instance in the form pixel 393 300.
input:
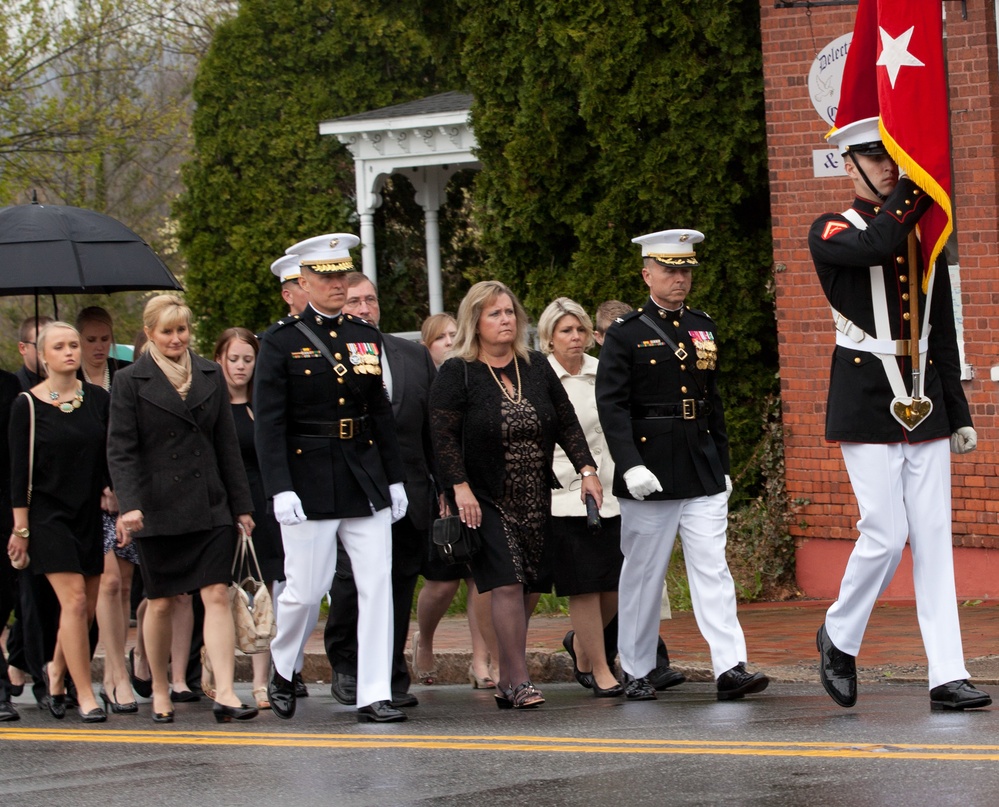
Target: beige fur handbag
pixel 250 601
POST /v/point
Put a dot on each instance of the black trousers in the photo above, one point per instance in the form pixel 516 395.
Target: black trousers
pixel 340 636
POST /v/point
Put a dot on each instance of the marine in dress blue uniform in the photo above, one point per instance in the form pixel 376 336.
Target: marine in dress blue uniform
pixel 663 417
pixel 329 458
pixel 892 425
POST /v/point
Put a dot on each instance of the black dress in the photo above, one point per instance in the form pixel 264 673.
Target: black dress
pixel 69 475
pixel 266 533
pixel 506 459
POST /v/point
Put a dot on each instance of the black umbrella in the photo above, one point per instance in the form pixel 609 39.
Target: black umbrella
pixel 50 249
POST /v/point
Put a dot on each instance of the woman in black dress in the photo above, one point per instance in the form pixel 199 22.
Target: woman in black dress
pixel 61 517
pixel 497 411
pixel 236 352
pixel 174 458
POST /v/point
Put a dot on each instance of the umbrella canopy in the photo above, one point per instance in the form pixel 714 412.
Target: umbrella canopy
pixel 49 249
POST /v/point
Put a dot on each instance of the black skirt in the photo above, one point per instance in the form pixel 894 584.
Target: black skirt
pixel 178 564
pixel 585 562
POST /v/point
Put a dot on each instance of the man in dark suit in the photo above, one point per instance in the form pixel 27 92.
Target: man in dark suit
pixel 408 371
pixel 330 460
pixel 10 388
pixel 27 336
pixel 895 408
pixel 662 414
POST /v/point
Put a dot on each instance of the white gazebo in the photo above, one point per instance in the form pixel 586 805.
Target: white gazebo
pixel 427 141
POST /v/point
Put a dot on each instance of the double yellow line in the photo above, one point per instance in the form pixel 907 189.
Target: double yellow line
pixel 560 745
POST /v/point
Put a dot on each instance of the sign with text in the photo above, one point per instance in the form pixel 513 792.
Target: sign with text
pixel 826 76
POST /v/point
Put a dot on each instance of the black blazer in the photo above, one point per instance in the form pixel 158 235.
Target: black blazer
pixel 413 373
pixel 176 460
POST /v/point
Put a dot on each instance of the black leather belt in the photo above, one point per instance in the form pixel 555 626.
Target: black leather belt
pixel 344 429
pixel 688 409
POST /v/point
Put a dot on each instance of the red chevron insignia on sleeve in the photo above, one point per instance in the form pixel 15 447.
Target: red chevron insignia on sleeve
pixel 833 227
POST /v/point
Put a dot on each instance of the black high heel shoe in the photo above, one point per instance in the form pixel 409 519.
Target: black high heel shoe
pixel 163 717
pixel 97 715
pixel 223 713
pixel 56 703
pixel 143 686
pixel 118 708
pixel 585 679
pixel 504 698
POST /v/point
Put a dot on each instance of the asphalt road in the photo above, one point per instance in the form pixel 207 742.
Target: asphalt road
pixel 789 746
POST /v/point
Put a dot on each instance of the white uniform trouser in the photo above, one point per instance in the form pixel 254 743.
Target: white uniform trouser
pixel 903 491
pixel 648 531
pixel 309 564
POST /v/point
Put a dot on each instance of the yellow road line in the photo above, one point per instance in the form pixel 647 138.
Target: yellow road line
pixel 565 745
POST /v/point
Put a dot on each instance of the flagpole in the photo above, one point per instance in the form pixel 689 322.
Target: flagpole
pixel 914 286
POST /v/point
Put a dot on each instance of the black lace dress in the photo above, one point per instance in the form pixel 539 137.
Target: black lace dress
pixel 503 449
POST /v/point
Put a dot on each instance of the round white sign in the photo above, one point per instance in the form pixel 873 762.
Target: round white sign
pixel 826 77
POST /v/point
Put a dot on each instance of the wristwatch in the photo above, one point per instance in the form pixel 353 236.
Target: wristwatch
pixel 585 474
pixel 24 532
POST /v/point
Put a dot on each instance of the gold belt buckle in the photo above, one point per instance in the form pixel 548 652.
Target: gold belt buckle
pixel 689 409
pixel 902 347
pixel 347 428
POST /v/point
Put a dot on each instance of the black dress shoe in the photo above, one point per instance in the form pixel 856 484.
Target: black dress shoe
pixel 638 689
pixel 223 714
pixel 97 715
pixel 16 689
pixel 611 692
pixel 163 717
pixel 404 700
pixel 184 696
pixel 585 679
pixel 281 694
pixel 343 687
pixel 665 677
pixel 736 683
pixel 57 706
pixel 838 670
pixel 379 712
pixel 301 690
pixel 143 686
pixel 8 714
pixel 957 695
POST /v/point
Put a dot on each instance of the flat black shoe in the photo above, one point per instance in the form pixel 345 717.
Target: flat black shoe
pixel 638 689
pixel 118 708
pixel 380 712
pixel 163 717
pixel 97 715
pixel 16 689
pixel 8 714
pixel 611 692
pixel 665 677
pixel 837 670
pixel 404 700
pixel 301 690
pixel 737 683
pixel 223 714
pixel 281 694
pixel 343 687
pixel 143 686
pixel 585 679
pixel 184 696
pixel 956 696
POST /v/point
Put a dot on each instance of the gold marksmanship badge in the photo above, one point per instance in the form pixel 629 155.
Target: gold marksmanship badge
pixel 706 349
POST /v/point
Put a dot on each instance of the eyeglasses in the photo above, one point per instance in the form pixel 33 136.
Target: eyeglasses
pixel 33 344
pixel 369 300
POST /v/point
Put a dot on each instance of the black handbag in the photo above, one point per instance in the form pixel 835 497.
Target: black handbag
pixel 456 543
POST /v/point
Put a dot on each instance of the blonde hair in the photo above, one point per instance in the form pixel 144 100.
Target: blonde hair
pixel 466 342
pixel 434 325
pixel 166 310
pixel 43 336
pixel 552 315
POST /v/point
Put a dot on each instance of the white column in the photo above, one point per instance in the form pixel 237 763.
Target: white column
pixel 368 264
pixel 434 284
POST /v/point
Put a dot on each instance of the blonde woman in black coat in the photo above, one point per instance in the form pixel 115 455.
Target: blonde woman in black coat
pixel 175 461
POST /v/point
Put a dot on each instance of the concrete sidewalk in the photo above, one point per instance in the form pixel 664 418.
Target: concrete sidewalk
pixel 780 638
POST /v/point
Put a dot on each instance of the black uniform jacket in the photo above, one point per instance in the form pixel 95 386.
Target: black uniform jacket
pixel 175 460
pixel 298 395
pixel 858 407
pixel 413 372
pixel 642 388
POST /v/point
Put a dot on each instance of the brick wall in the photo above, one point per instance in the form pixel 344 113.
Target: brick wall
pixel 791 39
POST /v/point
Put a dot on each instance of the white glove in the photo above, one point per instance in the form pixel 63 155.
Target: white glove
pixel 963 440
pixel 728 487
pixel 641 482
pixel 288 508
pixel 400 502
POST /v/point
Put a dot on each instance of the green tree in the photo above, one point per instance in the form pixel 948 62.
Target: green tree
pixel 597 122
pixel 262 177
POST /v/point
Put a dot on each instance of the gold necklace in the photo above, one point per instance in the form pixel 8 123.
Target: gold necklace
pixel 66 406
pixel 502 386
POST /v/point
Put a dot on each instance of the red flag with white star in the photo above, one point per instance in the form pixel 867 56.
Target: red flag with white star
pixel 858 95
pixel 915 121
